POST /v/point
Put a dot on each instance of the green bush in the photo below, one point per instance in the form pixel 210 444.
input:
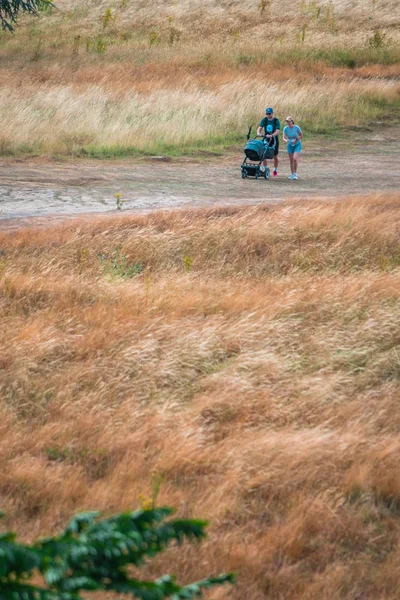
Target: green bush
pixel 94 554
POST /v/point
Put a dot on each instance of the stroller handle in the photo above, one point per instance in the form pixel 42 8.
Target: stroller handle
pixel 273 139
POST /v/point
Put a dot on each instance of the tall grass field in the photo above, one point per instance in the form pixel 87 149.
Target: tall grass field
pixel 243 361
pixel 120 77
pixel 241 364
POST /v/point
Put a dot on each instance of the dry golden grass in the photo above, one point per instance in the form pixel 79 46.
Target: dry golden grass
pixel 254 364
pixel 62 119
pixel 121 77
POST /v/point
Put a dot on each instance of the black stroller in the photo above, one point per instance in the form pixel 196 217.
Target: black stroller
pixel 257 150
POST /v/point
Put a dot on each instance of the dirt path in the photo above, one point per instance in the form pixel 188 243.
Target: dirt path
pixel 37 190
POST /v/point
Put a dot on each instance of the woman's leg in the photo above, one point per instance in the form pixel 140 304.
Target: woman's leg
pixel 295 161
pixel 291 162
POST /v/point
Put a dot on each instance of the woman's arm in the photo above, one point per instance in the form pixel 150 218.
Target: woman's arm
pixel 285 139
pixel 300 134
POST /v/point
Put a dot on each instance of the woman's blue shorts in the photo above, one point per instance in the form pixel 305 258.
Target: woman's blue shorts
pixel 292 149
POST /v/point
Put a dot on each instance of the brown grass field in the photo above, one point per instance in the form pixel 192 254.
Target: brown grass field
pixel 247 357
pixel 123 77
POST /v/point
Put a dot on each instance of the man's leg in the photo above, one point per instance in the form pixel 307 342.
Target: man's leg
pixel 276 161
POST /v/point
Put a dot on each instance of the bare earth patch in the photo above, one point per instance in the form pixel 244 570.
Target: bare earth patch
pixel 41 187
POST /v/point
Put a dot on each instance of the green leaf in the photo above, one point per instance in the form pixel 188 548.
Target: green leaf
pixel 81 521
pixel 96 554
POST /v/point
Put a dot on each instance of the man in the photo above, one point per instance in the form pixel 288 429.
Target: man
pixel 270 128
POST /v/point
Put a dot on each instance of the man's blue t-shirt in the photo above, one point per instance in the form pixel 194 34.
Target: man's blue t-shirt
pixel 270 126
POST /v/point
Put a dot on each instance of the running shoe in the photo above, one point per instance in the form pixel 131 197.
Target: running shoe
pixel 290 176
pixel 294 176
pixel 275 173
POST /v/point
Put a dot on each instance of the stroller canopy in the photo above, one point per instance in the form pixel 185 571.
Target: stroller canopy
pixel 256 150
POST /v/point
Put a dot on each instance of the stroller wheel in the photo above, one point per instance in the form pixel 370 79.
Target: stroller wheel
pixel 267 173
pixel 244 173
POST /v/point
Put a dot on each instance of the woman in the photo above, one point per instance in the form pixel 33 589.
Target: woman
pixel 293 135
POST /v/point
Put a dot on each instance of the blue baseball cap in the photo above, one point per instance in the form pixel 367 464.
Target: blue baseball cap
pixel 269 111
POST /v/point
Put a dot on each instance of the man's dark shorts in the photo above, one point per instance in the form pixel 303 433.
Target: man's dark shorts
pixel 276 149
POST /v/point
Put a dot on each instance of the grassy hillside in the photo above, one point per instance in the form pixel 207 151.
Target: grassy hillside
pixel 128 77
pixel 249 359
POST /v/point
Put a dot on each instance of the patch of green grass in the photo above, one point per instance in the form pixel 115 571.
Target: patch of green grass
pixel 349 58
pixel 116 264
pixel 215 146
pixel 7 149
pixel 93 151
